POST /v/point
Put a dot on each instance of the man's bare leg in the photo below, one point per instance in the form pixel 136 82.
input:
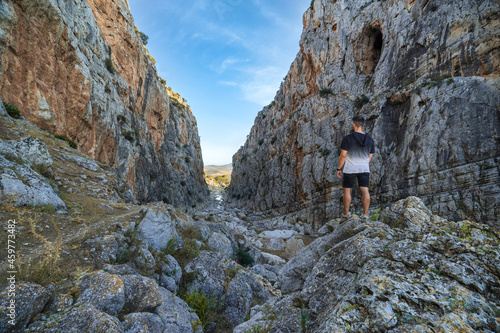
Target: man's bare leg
pixel 347 200
pixel 365 199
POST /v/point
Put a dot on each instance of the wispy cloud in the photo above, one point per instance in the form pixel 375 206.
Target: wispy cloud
pixel 262 84
pixel 227 83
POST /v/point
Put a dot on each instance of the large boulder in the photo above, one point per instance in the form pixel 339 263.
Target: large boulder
pixel 177 316
pixel 77 319
pixel 23 186
pixel 221 243
pixel 157 229
pixel 143 322
pixel 222 279
pixel 19 304
pixel 106 248
pixel 141 294
pixel 105 291
pixel 171 273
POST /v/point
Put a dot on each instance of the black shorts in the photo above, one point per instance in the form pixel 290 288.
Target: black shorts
pixel 350 178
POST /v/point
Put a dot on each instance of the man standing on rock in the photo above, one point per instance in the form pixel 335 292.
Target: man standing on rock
pixel 357 150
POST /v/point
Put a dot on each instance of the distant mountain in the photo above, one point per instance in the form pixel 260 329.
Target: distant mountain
pixel 218 170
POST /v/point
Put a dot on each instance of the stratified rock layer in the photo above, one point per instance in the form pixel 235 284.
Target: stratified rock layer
pixel 426 77
pixel 79 68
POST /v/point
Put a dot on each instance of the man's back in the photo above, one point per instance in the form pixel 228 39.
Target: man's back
pixel 359 146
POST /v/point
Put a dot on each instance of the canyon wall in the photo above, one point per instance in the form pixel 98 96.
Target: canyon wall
pixel 425 75
pixel 79 68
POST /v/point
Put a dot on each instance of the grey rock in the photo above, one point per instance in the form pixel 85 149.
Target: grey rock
pixel 105 291
pixel 21 185
pixel 81 161
pixel 31 150
pixel 142 322
pixel 221 243
pixel 293 246
pixel 176 314
pixel 119 269
pixel 59 302
pixel 145 261
pixel 262 271
pixel 76 319
pixel 171 274
pixel 272 259
pixel 213 269
pixel 141 293
pixel 285 234
pixel 406 276
pixel 3 112
pixel 29 299
pixel 106 247
pixel 157 229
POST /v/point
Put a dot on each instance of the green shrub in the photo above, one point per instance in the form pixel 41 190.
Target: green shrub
pixel 109 65
pixel 325 92
pixel 244 258
pixel 165 200
pixel 121 118
pixel 261 141
pixel 129 135
pixel 187 159
pixel 360 101
pixel 303 318
pixel 70 142
pixel 13 111
pixel 43 170
pixel 144 38
pixel 162 81
pixel 47 208
pixel 201 304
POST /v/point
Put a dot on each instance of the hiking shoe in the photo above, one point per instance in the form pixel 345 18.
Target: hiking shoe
pixel 364 217
pixel 346 216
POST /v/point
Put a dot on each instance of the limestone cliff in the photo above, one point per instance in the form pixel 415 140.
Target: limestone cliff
pixel 79 68
pixel 424 73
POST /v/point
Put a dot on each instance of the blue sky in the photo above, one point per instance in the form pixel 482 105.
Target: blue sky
pixel 226 57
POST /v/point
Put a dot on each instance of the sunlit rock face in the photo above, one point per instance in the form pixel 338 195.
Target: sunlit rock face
pixel 55 69
pixel 425 75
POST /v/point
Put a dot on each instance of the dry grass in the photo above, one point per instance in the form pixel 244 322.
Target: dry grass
pixel 46 269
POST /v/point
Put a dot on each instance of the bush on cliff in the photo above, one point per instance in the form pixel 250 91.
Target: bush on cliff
pixel 109 65
pixel 13 111
pixel 70 142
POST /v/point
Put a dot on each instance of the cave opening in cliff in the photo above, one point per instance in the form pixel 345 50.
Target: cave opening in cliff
pixel 369 50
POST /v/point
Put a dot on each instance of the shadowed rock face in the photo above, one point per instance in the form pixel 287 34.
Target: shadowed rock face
pixel 426 78
pixel 53 68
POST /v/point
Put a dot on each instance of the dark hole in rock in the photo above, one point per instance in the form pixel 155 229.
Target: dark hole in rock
pixel 369 50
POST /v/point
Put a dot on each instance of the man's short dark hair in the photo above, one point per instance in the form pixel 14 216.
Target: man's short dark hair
pixel 358 120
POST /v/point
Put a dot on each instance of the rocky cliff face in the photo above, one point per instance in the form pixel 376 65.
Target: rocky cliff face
pixel 425 75
pixel 79 68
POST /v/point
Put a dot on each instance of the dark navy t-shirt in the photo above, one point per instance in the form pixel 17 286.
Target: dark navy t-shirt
pixel 359 147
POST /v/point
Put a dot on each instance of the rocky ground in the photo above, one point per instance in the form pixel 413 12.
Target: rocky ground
pixel 89 262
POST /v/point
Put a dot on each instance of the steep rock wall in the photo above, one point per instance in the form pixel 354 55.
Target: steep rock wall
pixel 53 68
pixel 425 74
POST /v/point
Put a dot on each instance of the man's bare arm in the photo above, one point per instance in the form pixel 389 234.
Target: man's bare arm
pixel 371 156
pixel 342 158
